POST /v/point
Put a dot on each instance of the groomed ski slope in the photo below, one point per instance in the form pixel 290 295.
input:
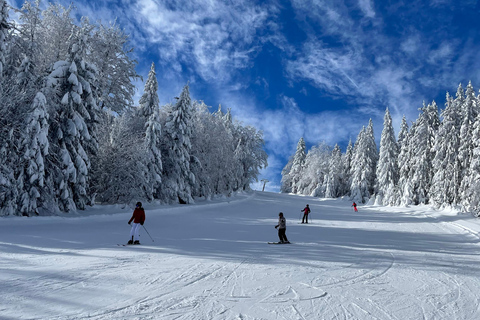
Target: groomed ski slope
pixel 211 260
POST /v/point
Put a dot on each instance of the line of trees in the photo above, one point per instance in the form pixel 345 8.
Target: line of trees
pixel 70 134
pixel 436 161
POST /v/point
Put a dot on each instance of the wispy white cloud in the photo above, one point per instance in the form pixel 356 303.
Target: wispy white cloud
pixel 367 8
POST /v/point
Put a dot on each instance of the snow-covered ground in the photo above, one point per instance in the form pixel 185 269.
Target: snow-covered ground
pixel 212 261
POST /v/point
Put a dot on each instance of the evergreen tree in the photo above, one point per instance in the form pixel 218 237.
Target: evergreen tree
pixel 363 165
pixel 471 197
pixel 423 153
pixel 298 164
pixel 73 136
pixel 149 113
pixel 286 182
pixel 334 185
pixel 402 135
pixel 347 167
pixel 387 169
pixel 445 181
pixel 405 164
pixel 469 112
pixel 34 147
pixel 177 175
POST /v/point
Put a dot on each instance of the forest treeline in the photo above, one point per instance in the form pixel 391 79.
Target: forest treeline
pixel 435 160
pixel 71 134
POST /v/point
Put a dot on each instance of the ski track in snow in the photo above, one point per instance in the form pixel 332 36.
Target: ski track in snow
pixel 212 261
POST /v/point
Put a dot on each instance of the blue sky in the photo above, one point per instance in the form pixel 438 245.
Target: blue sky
pixel 313 68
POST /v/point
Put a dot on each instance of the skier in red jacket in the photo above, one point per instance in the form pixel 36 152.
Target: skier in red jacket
pixel 305 211
pixel 138 219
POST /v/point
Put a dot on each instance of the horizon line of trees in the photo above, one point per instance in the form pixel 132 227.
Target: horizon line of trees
pixel 70 134
pixel 436 161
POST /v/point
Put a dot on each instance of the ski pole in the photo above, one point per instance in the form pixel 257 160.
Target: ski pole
pixel 148 233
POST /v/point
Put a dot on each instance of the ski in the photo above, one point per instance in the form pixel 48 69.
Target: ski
pixel 279 242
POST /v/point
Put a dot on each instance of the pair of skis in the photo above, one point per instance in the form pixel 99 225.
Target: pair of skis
pixel 279 242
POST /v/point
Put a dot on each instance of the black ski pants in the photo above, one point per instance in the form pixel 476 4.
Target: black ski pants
pixel 305 218
pixel 282 236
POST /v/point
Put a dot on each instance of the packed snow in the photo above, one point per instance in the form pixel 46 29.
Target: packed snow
pixel 211 260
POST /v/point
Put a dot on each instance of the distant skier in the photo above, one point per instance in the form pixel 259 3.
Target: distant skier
pixel 354 205
pixel 138 219
pixel 305 211
pixel 282 228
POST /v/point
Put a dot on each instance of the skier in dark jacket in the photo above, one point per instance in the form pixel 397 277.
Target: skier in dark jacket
pixel 354 205
pixel 282 228
pixel 305 211
pixel 138 219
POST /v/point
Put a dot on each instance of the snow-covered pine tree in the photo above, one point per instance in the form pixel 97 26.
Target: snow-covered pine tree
pixel 423 153
pixel 298 164
pixel 445 181
pixel 469 111
pixel 347 167
pixel 34 147
pixel 73 136
pixel 334 185
pixel 149 101
pixel 149 112
pixel 405 165
pixel 387 169
pixel 178 178
pixel 471 198
pixel 286 181
pixel 364 163
pixel 402 135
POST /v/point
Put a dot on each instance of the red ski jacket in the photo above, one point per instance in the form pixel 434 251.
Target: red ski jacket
pixel 138 216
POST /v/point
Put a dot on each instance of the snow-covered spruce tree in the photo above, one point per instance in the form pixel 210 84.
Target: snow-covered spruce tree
pixel 445 181
pixel 387 169
pixel 364 163
pixel 298 164
pixel 286 182
pixel 469 110
pixel 334 184
pixel 471 198
pixel 73 122
pixel 402 135
pixel 423 153
pixel 347 167
pixel 405 159
pixel 149 112
pixel 34 148
pixel 178 178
